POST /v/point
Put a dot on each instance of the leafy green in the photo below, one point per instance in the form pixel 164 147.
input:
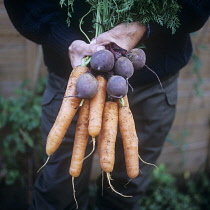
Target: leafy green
pixel 20 131
pixel 109 13
pixel 165 193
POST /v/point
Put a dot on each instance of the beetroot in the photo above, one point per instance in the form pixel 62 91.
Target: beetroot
pixel 137 57
pixel 117 86
pixel 86 86
pixel 102 61
pixel 124 67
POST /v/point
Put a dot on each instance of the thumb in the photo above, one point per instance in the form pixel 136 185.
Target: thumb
pixel 102 39
pixel 92 48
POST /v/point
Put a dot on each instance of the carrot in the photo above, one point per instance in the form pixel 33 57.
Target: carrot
pixel 130 141
pixel 108 136
pixel 126 103
pixel 66 113
pixel 96 108
pixel 107 140
pixel 80 141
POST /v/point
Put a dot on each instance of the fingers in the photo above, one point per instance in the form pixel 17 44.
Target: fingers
pixel 92 48
pixel 79 49
pixel 75 60
pixel 112 36
pixel 127 36
pixel 103 39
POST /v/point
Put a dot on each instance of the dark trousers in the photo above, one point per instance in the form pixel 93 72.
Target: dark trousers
pixel 153 112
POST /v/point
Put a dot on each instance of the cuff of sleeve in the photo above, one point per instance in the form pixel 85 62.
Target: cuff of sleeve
pixel 156 29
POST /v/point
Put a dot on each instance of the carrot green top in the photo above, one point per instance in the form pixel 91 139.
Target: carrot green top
pixel 109 13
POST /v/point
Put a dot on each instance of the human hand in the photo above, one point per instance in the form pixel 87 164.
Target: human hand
pixel 79 49
pixel 124 35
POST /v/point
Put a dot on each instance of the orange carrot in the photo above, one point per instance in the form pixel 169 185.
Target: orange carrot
pixel 80 141
pixel 130 141
pixel 107 140
pixel 108 136
pixel 66 113
pixel 96 108
pixel 80 144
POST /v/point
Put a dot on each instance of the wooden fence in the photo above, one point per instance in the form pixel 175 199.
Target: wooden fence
pixel 187 148
pixel 20 59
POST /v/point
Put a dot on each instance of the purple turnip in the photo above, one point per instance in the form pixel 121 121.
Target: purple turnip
pixel 86 86
pixel 117 86
pixel 123 67
pixel 102 61
pixel 137 57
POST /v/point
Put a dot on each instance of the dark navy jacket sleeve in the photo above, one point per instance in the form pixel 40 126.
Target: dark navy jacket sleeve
pixel 43 22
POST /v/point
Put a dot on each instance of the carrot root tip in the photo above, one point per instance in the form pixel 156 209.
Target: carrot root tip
pixel 44 164
pixel 109 181
pixel 94 145
pixel 127 183
pixel 148 163
pixel 102 183
pixel 74 192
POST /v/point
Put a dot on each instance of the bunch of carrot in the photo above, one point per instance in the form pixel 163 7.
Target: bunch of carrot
pixel 99 118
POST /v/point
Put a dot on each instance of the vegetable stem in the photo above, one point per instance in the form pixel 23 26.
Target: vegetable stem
pixel 122 103
pixel 98 27
pixel 85 61
pixel 80 25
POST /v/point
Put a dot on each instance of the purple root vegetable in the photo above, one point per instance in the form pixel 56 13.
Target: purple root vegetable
pixel 117 87
pixel 102 61
pixel 137 57
pixel 86 86
pixel 124 67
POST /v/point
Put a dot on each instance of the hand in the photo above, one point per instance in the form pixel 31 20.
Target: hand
pixel 79 49
pixel 124 35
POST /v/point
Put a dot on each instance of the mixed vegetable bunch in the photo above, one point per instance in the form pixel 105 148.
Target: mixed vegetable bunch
pixel 97 89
